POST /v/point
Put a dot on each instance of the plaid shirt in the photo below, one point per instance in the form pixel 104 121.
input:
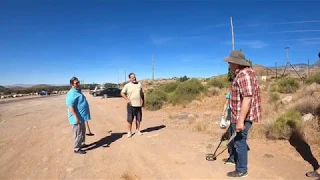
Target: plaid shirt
pixel 245 84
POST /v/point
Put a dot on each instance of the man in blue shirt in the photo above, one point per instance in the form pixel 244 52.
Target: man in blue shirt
pixel 78 113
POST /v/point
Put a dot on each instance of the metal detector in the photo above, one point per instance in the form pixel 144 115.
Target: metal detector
pixel 89 134
pixel 213 157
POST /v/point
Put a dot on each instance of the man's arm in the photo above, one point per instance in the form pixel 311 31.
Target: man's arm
pixel 246 90
pixel 73 111
pixel 71 102
pixel 225 107
pixel 123 93
pixel 142 96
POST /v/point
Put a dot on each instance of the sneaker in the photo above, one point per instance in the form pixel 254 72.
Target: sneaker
pixel 237 174
pixel 80 151
pixel 313 174
pixel 129 134
pixel 230 161
pixel 139 132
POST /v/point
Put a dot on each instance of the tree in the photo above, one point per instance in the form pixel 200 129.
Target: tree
pixel 250 62
pixel 184 78
pixel 230 74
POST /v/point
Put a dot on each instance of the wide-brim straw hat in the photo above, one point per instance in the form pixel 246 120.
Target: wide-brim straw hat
pixel 237 57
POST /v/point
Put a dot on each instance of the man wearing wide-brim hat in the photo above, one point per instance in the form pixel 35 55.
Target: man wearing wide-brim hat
pixel 245 104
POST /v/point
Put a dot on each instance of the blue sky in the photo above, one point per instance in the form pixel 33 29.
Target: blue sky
pixel 49 41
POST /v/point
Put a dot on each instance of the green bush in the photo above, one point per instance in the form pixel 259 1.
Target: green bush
pixel 280 128
pixel 315 78
pixel 219 82
pixel 155 100
pixel 274 96
pixel 169 87
pixel 186 92
pixel 288 85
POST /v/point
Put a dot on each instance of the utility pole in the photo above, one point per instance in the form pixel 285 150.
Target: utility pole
pixel 276 71
pixel 308 69
pixel 288 63
pixel 232 34
pixel 287 51
pixel 152 67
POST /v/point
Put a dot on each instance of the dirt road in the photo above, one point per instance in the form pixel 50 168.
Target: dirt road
pixel 37 143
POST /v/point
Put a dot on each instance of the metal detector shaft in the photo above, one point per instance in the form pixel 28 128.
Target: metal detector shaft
pixel 220 141
pixel 90 134
pixel 88 127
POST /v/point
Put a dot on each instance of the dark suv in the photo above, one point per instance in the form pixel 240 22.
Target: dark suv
pixel 108 92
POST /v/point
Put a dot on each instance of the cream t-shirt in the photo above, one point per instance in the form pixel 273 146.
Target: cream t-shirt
pixel 133 92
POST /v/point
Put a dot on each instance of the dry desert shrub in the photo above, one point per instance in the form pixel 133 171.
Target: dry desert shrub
pixel 280 128
pixel 213 91
pixel 308 99
pixel 306 105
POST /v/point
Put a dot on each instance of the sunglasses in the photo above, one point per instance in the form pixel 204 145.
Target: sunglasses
pixel 77 82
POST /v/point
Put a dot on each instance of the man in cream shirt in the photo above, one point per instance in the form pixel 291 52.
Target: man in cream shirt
pixel 132 92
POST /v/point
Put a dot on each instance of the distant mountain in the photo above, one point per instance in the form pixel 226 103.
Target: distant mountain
pixel 20 85
pixel 40 86
pixel 2 88
pixel 298 67
pixel 23 86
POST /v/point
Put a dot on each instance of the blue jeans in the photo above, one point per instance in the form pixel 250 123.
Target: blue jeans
pixel 240 147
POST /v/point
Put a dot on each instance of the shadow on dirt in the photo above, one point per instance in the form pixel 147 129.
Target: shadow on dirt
pixel 297 140
pixel 155 128
pixel 105 142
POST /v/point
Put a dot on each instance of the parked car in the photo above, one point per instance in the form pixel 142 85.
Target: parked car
pixel 108 92
pixel 43 93
pixel 96 90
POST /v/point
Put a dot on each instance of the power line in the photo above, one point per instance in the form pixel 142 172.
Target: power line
pixel 152 67
pixel 279 23
pixel 280 32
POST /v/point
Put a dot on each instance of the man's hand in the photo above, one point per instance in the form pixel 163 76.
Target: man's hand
pixel 240 126
pixel 142 103
pixel 128 101
pixel 73 111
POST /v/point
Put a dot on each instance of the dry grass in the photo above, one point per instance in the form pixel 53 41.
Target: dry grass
pixel 213 91
pixel 307 99
pixel 257 131
pixel 274 97
pixel 269 110
pixel 307 105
